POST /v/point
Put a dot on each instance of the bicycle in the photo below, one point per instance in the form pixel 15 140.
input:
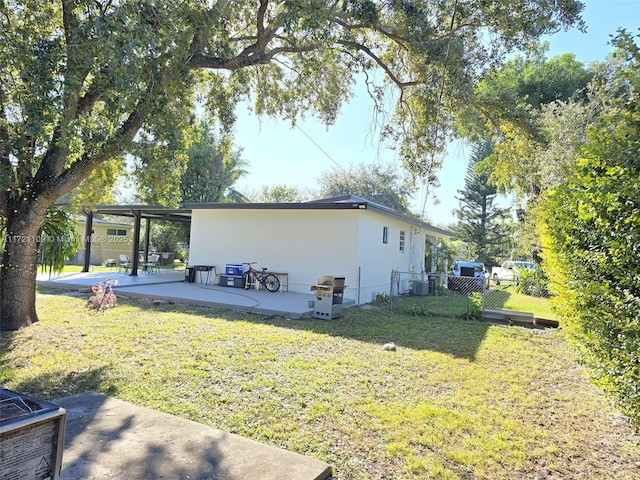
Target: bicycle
pixel 252 276
pixel 104 296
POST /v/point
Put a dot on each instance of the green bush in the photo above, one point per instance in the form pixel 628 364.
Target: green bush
pixel 530 282
pixel 591 238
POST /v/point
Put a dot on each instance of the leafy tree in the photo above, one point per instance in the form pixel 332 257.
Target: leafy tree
pixel 381 184
pixel 535 110
pixel 280 194
pixel 590 237
pixel 81 80
pixel 509 109
pixel 212 168
pixel 481 224
pixel 563 126
pixel 168 236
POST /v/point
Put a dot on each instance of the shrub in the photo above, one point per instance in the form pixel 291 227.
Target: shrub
pixel 530 282
pixel 591 238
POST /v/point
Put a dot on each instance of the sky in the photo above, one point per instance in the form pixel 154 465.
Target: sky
pixel 278 154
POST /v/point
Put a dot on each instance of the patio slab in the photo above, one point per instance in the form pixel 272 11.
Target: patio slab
pixel 170 286
pixel 109 439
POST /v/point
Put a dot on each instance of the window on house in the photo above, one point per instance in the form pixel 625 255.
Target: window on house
pixel 402 240
pixel 116 232
pixel 385 234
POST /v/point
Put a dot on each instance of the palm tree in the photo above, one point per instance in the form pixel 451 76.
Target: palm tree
pixel 58 239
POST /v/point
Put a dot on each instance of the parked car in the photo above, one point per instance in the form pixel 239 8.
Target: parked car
pixel 508 271
pixel 466 268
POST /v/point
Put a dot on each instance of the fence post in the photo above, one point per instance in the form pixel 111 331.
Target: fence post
pixel 394 290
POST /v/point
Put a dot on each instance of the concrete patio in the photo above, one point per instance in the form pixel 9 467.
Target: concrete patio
pixel 169 285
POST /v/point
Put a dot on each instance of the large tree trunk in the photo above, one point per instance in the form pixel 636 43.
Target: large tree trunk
pixel 18 270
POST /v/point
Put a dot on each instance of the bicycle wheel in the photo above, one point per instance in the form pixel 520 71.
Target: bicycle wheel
pixel 110 299
pixel 247 280
pixel 271 283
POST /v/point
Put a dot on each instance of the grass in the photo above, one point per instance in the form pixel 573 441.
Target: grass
pixel 504 297
pixel 178 265
pixel 456 400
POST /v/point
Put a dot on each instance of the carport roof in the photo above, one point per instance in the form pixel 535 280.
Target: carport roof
pixel 143 211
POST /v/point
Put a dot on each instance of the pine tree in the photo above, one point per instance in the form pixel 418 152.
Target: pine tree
pixel 481 223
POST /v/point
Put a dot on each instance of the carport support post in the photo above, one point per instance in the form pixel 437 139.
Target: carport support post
pixel 136 244
pixel 88 231
pixel 147 232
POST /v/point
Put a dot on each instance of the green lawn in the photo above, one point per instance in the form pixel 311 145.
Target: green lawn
pixel 457 399
pixel 178 265
pixel 504 297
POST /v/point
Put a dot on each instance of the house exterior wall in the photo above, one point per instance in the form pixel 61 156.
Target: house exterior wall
pixel 303 244
pixel 377 259
pixel 104 245
pixel 306 244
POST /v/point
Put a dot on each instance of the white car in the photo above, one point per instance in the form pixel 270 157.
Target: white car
pixel 508 271
pixel 465 268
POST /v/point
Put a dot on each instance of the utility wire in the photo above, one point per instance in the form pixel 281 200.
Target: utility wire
pixel 440 95
pixel 320 148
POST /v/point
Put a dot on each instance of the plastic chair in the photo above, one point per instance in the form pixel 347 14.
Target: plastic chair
pixel 151 264
pixel 125 263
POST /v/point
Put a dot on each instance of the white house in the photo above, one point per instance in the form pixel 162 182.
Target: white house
pixel 343 236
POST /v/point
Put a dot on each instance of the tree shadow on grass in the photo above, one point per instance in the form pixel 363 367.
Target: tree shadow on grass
pixel 496 299
pixel 451 336
pixel 445 332
pixel 440 326
pixel 55 384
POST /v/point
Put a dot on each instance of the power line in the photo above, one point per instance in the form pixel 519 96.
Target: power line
pixel 321 149
pixel 440 94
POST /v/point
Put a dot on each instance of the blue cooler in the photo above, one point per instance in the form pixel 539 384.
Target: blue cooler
pixel 233 269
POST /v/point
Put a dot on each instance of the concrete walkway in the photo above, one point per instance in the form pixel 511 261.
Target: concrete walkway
pixel 108 439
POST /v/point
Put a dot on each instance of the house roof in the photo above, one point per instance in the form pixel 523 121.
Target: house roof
pixel 344 202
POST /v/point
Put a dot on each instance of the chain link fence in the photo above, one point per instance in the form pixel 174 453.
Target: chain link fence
pixel 528 294
pixel 526 299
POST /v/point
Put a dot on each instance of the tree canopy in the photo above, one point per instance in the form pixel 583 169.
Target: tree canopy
pixel 280 194
pixel 81 80
pixel 510 108
pixel 212 168
pixel 382 184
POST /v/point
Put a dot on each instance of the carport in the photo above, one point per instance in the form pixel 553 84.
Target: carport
pixel 138 213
